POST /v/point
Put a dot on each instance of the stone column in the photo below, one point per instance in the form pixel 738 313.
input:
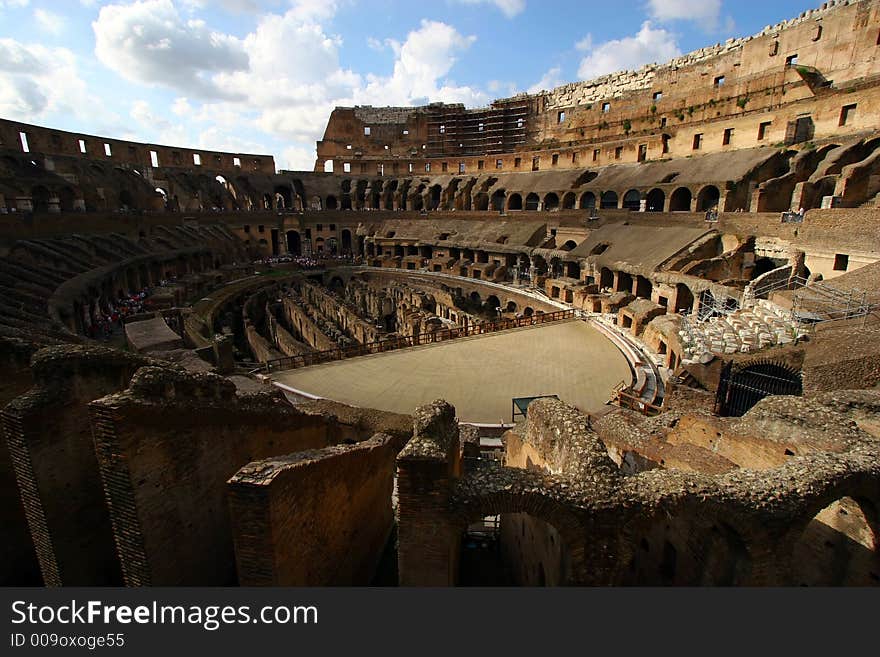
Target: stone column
pixel 426 469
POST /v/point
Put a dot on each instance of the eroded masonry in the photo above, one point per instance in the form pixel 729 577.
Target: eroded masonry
pixel 622 332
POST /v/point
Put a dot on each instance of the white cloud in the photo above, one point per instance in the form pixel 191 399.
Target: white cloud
pixel 706 12
pixel 549 81
pixel 270 90
pixel 149 42
pixel 36 81
pixel 49 21
pixel 297 158
pixel 143 114
pixel 630 53
pixel 13 4
pixel 585 44
pixel 509 8
pixel 181 107
pixel 422 63
pixel 374 44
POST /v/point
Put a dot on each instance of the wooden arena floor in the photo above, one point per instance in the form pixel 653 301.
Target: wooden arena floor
pixel 478 375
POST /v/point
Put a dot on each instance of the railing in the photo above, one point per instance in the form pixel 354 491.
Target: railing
pixel 626 400
pixel 392 344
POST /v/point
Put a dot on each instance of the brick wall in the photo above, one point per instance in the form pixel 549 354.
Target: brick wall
pixel 295 521
pixel 165 472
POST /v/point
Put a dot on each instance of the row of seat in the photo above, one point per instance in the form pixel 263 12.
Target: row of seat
pixel 758 326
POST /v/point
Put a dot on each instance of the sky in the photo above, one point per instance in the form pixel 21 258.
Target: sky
pixel 262 76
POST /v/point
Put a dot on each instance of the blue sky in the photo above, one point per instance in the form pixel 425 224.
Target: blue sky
pixel 263 75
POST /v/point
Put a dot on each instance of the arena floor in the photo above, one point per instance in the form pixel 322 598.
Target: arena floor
pixel 478 375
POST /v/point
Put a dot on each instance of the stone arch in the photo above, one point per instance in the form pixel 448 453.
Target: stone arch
pixel 346 241
pixel 609 200
pixel 283 197
pixel 569 245
pixel 587 201
pixel 683 547
pixel 67 199
pixel 376 195
pixel 568 201
pixel 742 385
pixel 680 201
pixel 126 200
pixel 708 198
pixel 40 198
pixel 518 501
pixel 532 202
pixel 331 203
pixel 551 202
pixel 515 202
pixel 836 542
pixel 655 200
pixel 499 196
pixel 294 242
pixel 481 202
pixel 360 194
pixel 436 192
pixel 684 298
pixel 632 200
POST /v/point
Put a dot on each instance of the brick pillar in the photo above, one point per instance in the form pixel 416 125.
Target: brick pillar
pixel 428 536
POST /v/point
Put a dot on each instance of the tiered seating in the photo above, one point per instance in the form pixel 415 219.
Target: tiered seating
pixel 761 325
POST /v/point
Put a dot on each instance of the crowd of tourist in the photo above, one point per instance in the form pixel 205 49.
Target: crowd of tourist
pixel 317 261
pixel 107 324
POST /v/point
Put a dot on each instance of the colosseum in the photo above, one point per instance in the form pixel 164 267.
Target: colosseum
pixel 622 332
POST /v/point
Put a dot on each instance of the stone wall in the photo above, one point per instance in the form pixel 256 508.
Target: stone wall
pixel 315 518
pixel 661 525
pixel 49 434
pixel 67 144
pixel 18 561
pixel 166 447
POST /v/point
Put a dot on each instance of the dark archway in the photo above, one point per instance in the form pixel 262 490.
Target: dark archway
pixel 515 202
pixel 609 200
pixel 551 202
pixel 588 201
pixel 632 200
pixel 569 245
pixel 436 192
pixel 126 200
pixel 331 203
pixel 527 539
pixel 839 546
pixel 40 197
pixel 684 298
pixel 532 202
pixel 743 386
pixel 67 199
pixel 680 200
pixel 283 197
pixel 568 201
pixel 346 241
pixel 294 243
pixel 481 202
pixel 498 198
pixel 655 200
pixel 708 198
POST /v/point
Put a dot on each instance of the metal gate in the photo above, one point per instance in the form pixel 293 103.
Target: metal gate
pixel 743 386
